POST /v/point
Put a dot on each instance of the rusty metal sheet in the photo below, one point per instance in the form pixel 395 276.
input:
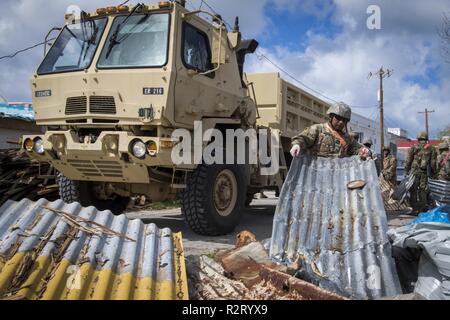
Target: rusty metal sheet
pixel 54 250
pixel 337 236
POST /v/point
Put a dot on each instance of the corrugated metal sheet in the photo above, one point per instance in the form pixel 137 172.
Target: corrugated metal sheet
pixel 440 190
pixel 45 254
pixel 338 236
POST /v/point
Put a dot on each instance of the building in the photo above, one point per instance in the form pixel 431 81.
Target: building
pixel 366 128
pixel 16 119
pixel 399 132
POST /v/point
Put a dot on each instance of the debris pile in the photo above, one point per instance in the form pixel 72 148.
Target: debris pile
pixel 21 177
pixel 247 272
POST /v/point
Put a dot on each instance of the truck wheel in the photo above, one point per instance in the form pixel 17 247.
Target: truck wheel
pixel 213 200
pixel 82 192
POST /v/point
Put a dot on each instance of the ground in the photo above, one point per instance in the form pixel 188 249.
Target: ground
pixel 257 218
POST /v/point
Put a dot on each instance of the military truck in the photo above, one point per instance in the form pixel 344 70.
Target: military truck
pixel 117 83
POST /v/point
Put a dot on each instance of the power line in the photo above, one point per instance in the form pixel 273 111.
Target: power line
pixel 12 55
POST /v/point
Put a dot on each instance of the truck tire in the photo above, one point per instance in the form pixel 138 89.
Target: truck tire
pixel 213 200
pixel 81 191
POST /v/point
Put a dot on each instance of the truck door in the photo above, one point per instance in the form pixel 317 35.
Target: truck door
pixel 195 94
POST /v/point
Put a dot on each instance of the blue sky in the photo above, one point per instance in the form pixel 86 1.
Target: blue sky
pixel 323 43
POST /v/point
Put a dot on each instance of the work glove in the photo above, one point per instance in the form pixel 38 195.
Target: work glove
pixel 295 150
pixel 364 153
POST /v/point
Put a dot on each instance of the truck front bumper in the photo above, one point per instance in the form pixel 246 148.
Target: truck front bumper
pixel 108 159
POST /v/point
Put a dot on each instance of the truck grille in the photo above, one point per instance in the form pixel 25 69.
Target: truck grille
pixel 97 168
pixel 76 105
pixel 102 105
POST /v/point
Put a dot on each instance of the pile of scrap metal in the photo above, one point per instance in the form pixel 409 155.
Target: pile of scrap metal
pixel 439 191
pixel 22 177
pixel 391 205
pixel 247 272
pixel 422 253
pixel 330 224
pixel 54 250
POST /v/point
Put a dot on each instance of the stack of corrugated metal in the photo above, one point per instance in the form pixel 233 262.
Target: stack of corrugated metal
pixel 440 190
pixel 336 235
pixel 54 250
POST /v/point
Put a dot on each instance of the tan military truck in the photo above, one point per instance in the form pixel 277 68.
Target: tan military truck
pixel 117 83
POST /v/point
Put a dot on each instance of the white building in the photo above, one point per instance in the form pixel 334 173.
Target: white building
pixel 402 133
pixel 368 129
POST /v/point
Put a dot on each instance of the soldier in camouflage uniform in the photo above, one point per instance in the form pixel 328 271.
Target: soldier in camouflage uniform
pixel 329 139
pixel 421 161
pixel 443 162
pixel 368 144
pixel 389 166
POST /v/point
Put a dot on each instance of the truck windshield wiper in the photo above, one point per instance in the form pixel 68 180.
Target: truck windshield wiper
pixel 113 40
pixel 94 30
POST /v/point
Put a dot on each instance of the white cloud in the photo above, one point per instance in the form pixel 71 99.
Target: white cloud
pixel 338 67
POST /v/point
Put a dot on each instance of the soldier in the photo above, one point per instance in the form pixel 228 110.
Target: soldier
pixel 421 161
pixel 389 166
pixel 329 139
pixel 368 144
pixel 443 162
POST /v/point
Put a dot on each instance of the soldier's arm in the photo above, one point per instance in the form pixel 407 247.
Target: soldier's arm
pixel 307 137
pixel 392 168
pixel 409 160
pixel 353 148
pixel 434 164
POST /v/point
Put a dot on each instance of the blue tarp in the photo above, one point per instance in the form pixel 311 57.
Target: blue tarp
pixel 17 111
pixel 438 214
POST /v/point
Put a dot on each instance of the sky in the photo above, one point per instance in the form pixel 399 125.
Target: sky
pixel 324 44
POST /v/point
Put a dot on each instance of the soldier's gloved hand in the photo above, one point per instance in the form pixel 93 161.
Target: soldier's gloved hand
pixel 295 150
pixel 364 153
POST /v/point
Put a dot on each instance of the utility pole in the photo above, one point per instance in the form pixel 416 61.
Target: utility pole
pixel 382 74
pixel 426 118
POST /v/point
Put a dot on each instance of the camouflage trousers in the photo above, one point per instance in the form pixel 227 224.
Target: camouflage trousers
pixel 419 192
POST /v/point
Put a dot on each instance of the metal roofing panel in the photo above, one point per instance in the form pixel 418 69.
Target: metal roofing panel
pixel 72 252
pixel 440 190
pixel 336 234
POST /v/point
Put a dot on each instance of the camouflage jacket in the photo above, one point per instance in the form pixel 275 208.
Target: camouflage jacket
pixel 443 166
pixel 421 159
pixel 318 140
pixel 390 168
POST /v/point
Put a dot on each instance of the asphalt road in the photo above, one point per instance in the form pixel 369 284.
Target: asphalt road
pixel 257 219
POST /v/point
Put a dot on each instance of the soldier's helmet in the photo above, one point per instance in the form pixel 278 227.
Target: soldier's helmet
pixel 368 142
pixel 422 136
pixel 340 109
pixel 443 146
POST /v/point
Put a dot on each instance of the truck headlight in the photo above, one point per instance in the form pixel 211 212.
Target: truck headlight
pixel 152 148
pixel 38 146
pixel 28 144
pixel 138 148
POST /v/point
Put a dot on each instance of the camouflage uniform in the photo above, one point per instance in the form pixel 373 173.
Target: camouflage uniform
pixel 421 161
pixel 368 144
pixel 318 140
pixel 390 169
pixel 443 162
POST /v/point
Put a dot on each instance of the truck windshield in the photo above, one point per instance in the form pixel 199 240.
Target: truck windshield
pixel 74 48
pixel 141 41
